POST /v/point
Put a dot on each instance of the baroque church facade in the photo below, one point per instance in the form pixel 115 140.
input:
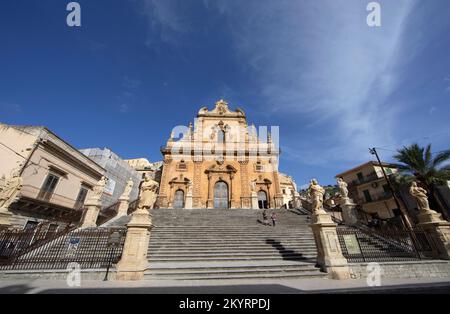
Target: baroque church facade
pixel 220 162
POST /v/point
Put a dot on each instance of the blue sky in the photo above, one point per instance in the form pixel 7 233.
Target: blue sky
pixel 137 68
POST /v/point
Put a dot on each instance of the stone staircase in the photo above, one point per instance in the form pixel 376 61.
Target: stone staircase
pixel 230 244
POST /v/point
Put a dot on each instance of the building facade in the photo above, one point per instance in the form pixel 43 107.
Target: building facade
pixel 220 162
pixel 369 189
pixel 291 197
pixel 55 177
pixel 146 168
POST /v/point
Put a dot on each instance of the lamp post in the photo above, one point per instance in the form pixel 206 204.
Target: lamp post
pixel 405 217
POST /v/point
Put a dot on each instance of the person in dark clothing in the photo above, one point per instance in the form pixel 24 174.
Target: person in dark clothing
pixel 274 219
pixel 265 218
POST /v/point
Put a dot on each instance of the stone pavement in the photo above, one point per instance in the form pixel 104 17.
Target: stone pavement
pixel 287 286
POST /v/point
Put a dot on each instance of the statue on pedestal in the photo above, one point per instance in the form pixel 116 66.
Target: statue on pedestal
pixel 99 188
pixel 147 197
pixel 342 187
pixel 420 195
pixel 11 187
pixel 127 190
pixel 316 192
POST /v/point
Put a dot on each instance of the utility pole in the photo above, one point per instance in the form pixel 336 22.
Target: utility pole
pixel 405 217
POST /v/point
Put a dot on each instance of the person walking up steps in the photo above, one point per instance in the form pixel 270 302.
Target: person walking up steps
pixel 265 218
pixel 274 219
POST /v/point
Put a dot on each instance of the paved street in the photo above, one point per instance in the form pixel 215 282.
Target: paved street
pixel 441 285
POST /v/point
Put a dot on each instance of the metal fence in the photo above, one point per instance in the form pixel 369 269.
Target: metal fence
pixel 367 246
pixel 90 248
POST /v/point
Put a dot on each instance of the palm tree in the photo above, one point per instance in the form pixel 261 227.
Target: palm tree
pixel 418 163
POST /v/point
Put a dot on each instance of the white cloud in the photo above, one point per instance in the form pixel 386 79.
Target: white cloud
pixel 320 61
pixel 317 61
pixel 165 18
pixel 124 108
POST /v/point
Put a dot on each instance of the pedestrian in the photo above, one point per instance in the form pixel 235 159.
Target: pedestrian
pixel 265 218
pixel 274 219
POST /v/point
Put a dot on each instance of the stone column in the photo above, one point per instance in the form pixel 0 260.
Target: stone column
pixel 210 202
pixel 197 182
pixel 348 211
pixel 329 254
pixel 5 217
pixel 93 207
pixel 122 210
pixel 134 259
pixel 254 200
pixel 189 200
pixel 439 231
pixel 245 190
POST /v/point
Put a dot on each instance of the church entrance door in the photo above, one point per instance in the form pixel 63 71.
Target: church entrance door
pixel 262 200
pixel 178 201
pixel 221 195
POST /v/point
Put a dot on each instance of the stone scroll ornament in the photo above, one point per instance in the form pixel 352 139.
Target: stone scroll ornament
pixel 148 194
pixel 11 188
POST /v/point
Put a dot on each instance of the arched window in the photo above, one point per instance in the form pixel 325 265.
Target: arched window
pixel 221 136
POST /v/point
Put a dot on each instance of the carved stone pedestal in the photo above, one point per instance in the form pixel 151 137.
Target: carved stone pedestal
pixel 438 230
pixel 329 254
pixel 5 217
pixel 134 260
pixel 90 216
pixel 124 203
pixel 348 211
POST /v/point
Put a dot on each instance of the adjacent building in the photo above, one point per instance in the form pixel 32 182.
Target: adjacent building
pixel 118 172
pixel 146 168
pixel 56 177
pixel 368 188
pixel 291 197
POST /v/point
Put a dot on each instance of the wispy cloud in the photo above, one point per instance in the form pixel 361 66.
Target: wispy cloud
pixel 447 80
pixel 321 62
pixel 165 18
pixel 10 107
pixel 124 108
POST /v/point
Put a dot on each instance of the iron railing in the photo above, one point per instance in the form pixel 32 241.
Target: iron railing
pixel 360 245
pixel 88 247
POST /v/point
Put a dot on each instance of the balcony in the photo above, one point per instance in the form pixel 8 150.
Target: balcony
pixel 379 197
pixel 369 178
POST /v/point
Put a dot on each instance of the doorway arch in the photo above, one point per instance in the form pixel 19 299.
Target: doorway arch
pixel 262 200
pixel 221 195
pixel 178 200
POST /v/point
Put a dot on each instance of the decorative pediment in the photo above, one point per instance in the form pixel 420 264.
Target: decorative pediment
pixel 221 109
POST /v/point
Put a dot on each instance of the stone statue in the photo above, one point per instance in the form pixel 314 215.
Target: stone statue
pixel 342 187
pixel 147 197
pixel 189 188
pixel 99 188
pixel 127 190
pixel 253 185
pixel 11 188
pixel 420 196
pixel 316 192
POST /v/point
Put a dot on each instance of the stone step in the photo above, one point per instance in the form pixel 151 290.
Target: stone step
pixel 227 275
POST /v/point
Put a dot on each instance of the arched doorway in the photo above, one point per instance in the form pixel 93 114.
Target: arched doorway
pixel 221 195
pixel 262 200
pixel 178 200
